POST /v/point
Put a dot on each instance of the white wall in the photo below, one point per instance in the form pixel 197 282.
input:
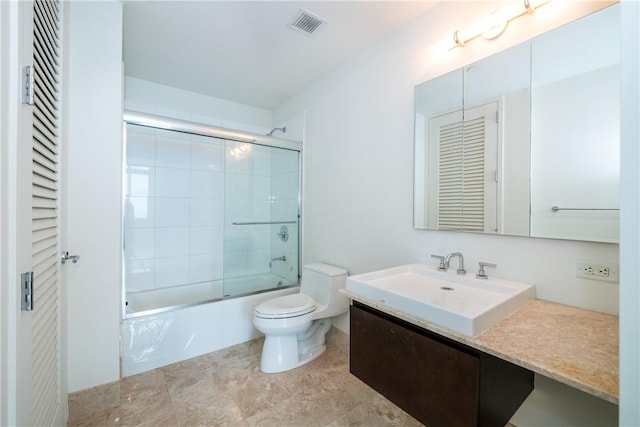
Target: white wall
pixel 358 175
pixel 154 98
pixel 92 186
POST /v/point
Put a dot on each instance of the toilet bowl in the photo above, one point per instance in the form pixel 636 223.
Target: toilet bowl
pixel 295 325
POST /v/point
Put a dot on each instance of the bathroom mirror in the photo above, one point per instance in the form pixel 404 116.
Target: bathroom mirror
pixel 525 142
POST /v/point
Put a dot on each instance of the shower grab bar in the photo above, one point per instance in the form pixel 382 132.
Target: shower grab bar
pixel 264 222
pixel 558 208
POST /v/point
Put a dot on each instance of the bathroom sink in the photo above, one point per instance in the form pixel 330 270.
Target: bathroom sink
pixel 461 303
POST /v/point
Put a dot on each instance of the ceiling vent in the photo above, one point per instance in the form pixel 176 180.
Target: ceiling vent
pixel 307 23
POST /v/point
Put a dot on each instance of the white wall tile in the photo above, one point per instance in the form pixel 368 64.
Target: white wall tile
pixel 260 209
pixel 172 182
pixel 172 241
pixel 141 149
pixel 139 243
pixel 172 271
pixel 139 212
pixel 237 210
pixel 206 240
pixel 284 210
pixel 207 156
pixel 235 262
pixel 238 157
pixel 261 161
pixel 237 186
pixel 172 152
pixel 140 274
pixel 172 212
pixel 204 268
pixel 140 181
pixel 206 212
pixel 206 185
pixel 260 187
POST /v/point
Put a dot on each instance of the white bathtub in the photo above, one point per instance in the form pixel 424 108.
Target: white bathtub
pixel 154 301
pixel 156 334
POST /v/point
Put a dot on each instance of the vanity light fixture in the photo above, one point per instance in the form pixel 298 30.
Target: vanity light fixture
pixel 495 24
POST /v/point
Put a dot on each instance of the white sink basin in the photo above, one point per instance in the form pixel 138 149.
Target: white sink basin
pixel 461 303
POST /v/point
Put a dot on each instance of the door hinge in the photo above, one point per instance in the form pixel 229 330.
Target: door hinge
pixel 28 82
pixel 26 285
pixel 498 116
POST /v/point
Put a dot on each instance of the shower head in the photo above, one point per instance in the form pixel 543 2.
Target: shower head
pixel 282 129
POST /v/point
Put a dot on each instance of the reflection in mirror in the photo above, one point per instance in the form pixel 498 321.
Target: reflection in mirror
pixel 502 141
pixel 575 158
pixel 472 146
pixel 500 84
pixel 437 97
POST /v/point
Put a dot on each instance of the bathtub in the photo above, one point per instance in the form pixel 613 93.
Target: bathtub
pixel 155 301
pixel 167 326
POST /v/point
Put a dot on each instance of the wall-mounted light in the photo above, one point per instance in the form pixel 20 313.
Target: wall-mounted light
pixel 495 24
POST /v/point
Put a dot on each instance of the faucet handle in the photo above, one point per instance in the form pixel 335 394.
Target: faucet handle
pixel 441 266
pixel 481 273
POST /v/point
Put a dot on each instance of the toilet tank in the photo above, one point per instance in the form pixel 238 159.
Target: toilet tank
pixel 322 282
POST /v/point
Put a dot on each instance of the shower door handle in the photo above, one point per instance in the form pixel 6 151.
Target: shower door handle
pixel 64 257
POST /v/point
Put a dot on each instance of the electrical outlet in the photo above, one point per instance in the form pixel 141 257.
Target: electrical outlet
pixel 596 270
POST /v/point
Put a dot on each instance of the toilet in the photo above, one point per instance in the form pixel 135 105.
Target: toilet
pixel 295 325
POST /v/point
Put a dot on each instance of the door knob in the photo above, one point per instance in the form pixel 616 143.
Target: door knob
pixel 64 257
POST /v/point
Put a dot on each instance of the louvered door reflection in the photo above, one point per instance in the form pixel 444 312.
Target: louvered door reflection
pixel 466 163
pixel 45 344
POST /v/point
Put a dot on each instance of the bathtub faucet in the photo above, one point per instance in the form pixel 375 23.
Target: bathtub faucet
pixel 282 258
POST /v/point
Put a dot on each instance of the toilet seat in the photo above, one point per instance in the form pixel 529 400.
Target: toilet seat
pixel 286 306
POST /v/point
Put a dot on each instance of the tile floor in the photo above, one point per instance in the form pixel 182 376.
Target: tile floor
pixel 226 388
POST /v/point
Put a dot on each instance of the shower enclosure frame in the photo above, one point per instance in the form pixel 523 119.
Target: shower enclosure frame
pixel 194 128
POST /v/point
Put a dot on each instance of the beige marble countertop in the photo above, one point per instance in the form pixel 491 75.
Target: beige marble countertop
pixel 571 345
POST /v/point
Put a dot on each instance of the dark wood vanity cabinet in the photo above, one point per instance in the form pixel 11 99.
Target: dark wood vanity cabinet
pixel 440 382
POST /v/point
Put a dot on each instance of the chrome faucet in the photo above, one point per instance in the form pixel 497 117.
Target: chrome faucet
pixel 441 266
pixel 481 273
pixel 447 260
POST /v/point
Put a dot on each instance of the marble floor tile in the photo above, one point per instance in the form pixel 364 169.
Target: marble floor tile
pixel 227 388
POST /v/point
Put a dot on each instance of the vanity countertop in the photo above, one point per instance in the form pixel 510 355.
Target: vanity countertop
pixel 571 345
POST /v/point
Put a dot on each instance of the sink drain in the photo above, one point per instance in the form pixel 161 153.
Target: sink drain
pixel 446 288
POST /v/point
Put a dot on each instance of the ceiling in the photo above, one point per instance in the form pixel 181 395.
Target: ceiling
pixel 244 51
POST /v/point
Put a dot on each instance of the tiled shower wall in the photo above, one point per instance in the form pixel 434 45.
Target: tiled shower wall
pixel 261 185
pixel 173 208
pixel 284 207
pixel 182 194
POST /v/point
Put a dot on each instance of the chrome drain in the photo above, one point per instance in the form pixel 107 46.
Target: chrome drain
pixel 446 288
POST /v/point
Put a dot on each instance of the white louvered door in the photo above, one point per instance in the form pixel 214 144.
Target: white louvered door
pixel 465 158
pixel 44 373
pixel 33 392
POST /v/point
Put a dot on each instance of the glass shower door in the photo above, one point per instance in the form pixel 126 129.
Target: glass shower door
pixel 261 211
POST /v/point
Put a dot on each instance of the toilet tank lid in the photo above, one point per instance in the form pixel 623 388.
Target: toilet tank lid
pixel 329 270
